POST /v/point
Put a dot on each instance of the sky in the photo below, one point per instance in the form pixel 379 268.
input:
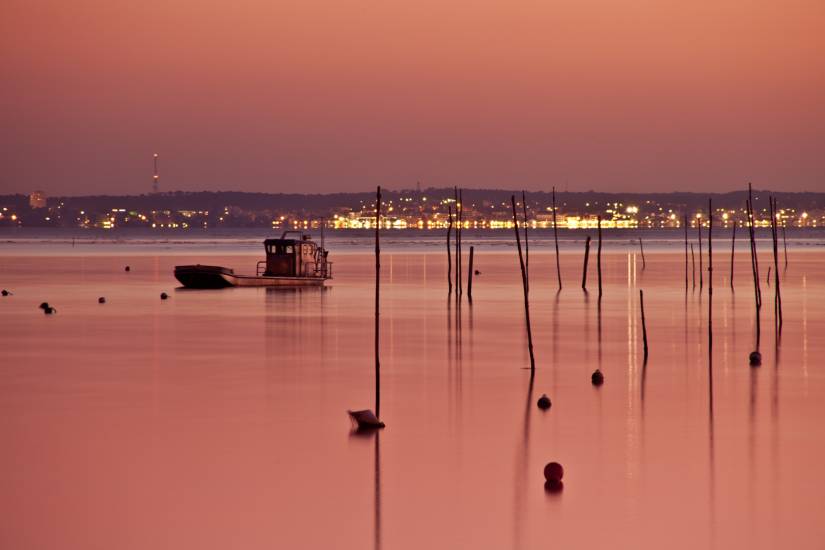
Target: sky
pixel 341 95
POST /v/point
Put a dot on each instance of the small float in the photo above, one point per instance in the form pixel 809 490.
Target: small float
pixel 296 261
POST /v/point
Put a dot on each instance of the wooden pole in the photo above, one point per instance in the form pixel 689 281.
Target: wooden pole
pixel 457 237
pixel 525 287
pixel 686 254
pixel 644 325
pixel 785 244
pixel 642 248
pixel 693 264
pixel 599 255
pixel 586 257
pixel 526 243
pixel 470 277
pixel 459 259
pixel 754 272
pixel 701 269
pixel 777 300
pixel 732 248
pixel 449 256
pixel 377 300
pixel 556 238
pixel 753 246
pixel 710 276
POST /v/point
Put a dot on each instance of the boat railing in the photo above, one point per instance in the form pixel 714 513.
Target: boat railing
pixel 321 269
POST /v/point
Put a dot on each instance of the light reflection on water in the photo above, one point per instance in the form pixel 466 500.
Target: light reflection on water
pixel 217 418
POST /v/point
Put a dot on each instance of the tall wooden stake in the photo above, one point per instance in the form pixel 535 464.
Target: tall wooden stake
pixel 599 255
pixel 449 256
pixel 457 245
pixel 470 277
pixel 586 257
pixel 377 300
pixel 777 300
pixel 753 246
pixel 644 325
pixel 755 273
pixel 526 243
pixel 556 238
pixel 460 242
pixel 686 254
pixel 785 244
pixel 525 287
pixel 642 248
pixel 693 265
pixel 732 248
pixel 710 276
pixel 701 269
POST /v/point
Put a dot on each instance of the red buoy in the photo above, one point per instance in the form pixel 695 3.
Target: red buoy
pixel 553 472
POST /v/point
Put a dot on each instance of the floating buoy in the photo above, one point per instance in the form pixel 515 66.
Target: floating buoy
pixel 48 310
pixel 163 296
pixel 553 472
pixel 597 378
pixel 544 402
pixel 5 292
pixel 755 358
pixel 127 268
pixel 44 306
pixel 477 272
pixel 101 300
pixel 365 420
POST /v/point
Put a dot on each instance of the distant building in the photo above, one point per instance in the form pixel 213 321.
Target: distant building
pixel 37 199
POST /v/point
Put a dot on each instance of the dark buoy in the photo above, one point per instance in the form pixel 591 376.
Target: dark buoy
pixel 5 292
pixel 127 268
pixel 544 402
pixel 597 378
pixel 163 296
pixel 553 472
pixel 101 300
pixel 48 310
pixel 477 272
pixel 365 420
pixel 755 358
pixel 44 306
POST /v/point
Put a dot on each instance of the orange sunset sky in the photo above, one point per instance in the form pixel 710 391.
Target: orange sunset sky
pixel 340 95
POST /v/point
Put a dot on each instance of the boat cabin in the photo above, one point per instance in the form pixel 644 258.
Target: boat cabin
pixel 294 257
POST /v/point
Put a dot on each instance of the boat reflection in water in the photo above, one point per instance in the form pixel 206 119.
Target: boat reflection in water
pixel 289 262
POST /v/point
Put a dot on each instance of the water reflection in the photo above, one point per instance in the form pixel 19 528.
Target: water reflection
pixel 356 435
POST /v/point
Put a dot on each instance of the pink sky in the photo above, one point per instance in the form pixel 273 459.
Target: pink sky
pixel 339 95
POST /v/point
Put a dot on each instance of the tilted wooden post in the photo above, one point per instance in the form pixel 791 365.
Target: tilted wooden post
pixel 525 287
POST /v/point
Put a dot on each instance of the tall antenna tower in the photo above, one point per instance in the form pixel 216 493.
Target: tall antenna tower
pixel 156 178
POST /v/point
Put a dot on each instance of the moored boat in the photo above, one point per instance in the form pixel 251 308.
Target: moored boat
pixel 289 262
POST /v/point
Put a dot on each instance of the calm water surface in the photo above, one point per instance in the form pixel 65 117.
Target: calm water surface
pixel 216 419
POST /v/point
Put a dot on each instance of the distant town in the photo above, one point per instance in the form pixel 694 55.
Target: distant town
pixel 403 209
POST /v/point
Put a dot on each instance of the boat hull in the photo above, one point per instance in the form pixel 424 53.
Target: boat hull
pixel 211 276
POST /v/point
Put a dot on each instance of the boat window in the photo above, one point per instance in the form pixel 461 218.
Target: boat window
pixel 289 249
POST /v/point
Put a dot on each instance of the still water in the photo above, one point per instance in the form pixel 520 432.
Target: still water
pixel 216 419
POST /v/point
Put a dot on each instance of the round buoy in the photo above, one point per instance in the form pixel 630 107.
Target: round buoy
pixel 755 358
pixel 101 300
pixel 127 268
pixel 49 310
pixel 553 472
pixel 163 296
pixel 544 402
pixel 477 272
pixel 597 378
pixel 44 306
pixel 5 292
